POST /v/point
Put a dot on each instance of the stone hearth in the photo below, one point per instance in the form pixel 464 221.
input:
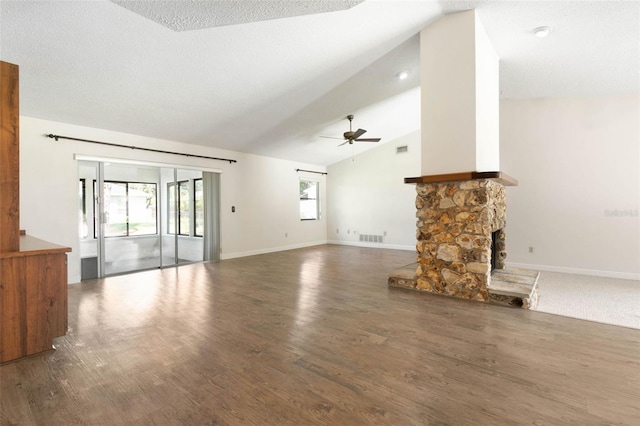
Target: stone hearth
pixel 510 286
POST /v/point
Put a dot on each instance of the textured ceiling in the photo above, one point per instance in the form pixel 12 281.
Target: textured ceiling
pixel 198 14
pixel 271 87
pixel 594 48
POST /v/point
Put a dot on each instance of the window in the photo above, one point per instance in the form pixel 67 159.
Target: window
pixel 95 209
pixel 190 199
pixel 84 231
pixel 183 207
pixel 198 208
pixel 130 209
pixel 171 208
pixel 309 200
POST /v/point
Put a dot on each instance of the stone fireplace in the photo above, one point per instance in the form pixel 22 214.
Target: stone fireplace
pixel 456 222
pixel 460 232
pixel 461 247
pixel 461 216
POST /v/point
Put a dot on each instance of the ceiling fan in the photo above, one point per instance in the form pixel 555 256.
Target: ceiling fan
pixel 350 137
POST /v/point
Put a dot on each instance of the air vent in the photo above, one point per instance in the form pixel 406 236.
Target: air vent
pixel 371 238
pixel 401 149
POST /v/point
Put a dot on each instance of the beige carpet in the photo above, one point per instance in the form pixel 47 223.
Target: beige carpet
pixel 607 300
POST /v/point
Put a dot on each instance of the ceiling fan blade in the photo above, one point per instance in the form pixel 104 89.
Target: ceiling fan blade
pixel 345 142
pixel 368 140
pixel 331 137
pixel 358 133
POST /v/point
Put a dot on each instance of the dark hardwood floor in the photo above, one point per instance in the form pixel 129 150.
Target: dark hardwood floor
pixel 314 336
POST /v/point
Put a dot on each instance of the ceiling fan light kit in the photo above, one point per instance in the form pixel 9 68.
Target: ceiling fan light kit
pixel 350 136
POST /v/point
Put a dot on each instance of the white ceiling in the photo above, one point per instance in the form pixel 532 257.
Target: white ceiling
pixel 272 86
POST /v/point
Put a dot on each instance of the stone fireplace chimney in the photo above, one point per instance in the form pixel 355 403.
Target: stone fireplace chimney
pixel 461 200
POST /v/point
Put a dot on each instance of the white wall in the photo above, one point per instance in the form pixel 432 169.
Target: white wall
pixel 263 190
pixel 577 161
pixel 369 196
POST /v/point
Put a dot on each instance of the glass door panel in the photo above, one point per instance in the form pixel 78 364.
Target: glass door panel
pixel 183 207
pixel 190 245
pixel 198 213
pixel 130 215
pixel 88 220
pixel 168 210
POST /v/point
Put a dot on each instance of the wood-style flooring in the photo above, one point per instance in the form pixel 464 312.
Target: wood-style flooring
pixel 315 336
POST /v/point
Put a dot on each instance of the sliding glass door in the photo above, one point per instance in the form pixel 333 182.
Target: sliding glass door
pixel 137 217
pixel 182 230
pixel 130 212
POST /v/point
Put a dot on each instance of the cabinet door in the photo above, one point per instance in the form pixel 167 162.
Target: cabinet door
pixel 13 309
pixel 46 299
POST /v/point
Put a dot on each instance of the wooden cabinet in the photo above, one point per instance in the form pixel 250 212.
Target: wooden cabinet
pixel 33 298
pixel 33 273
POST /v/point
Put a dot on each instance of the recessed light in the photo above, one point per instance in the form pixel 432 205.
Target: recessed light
pixel 402 75
pixel 542 32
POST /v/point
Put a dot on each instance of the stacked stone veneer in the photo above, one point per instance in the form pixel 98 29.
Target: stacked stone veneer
pixel 455 223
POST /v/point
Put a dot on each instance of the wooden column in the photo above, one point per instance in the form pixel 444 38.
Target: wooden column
pixel 33 273
pixel 9 159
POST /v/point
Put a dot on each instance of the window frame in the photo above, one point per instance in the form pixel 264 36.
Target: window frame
pixel 191 189
pixel 171 214
pixel 316 199
pixel 195 210
pixel 95 209
pixel 127 208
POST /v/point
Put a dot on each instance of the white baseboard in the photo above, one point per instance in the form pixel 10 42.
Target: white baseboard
pixel 372 245
pixel 224 256
pixel 578 271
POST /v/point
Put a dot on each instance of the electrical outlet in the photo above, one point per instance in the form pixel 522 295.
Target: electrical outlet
pixel 286 234
pixel 337 231
pixel 384 234
pixel 530 249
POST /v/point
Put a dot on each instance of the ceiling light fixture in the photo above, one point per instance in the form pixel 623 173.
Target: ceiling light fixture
pixel 542 32
pixel 402 75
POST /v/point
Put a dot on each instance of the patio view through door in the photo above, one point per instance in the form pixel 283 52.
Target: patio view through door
pixel 136 217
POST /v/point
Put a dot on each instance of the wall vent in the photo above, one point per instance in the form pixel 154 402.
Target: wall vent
pixel 401 149
pixel 371 238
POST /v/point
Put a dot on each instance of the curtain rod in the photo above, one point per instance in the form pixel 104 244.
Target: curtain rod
pixel 310 171
pixel 56 137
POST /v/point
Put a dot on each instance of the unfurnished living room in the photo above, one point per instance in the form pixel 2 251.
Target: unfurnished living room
pixel 340 212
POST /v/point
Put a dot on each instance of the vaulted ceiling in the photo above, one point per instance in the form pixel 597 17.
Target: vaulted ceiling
pixel 269 77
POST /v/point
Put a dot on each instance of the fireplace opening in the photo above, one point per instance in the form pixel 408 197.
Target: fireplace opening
pixel 498 253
